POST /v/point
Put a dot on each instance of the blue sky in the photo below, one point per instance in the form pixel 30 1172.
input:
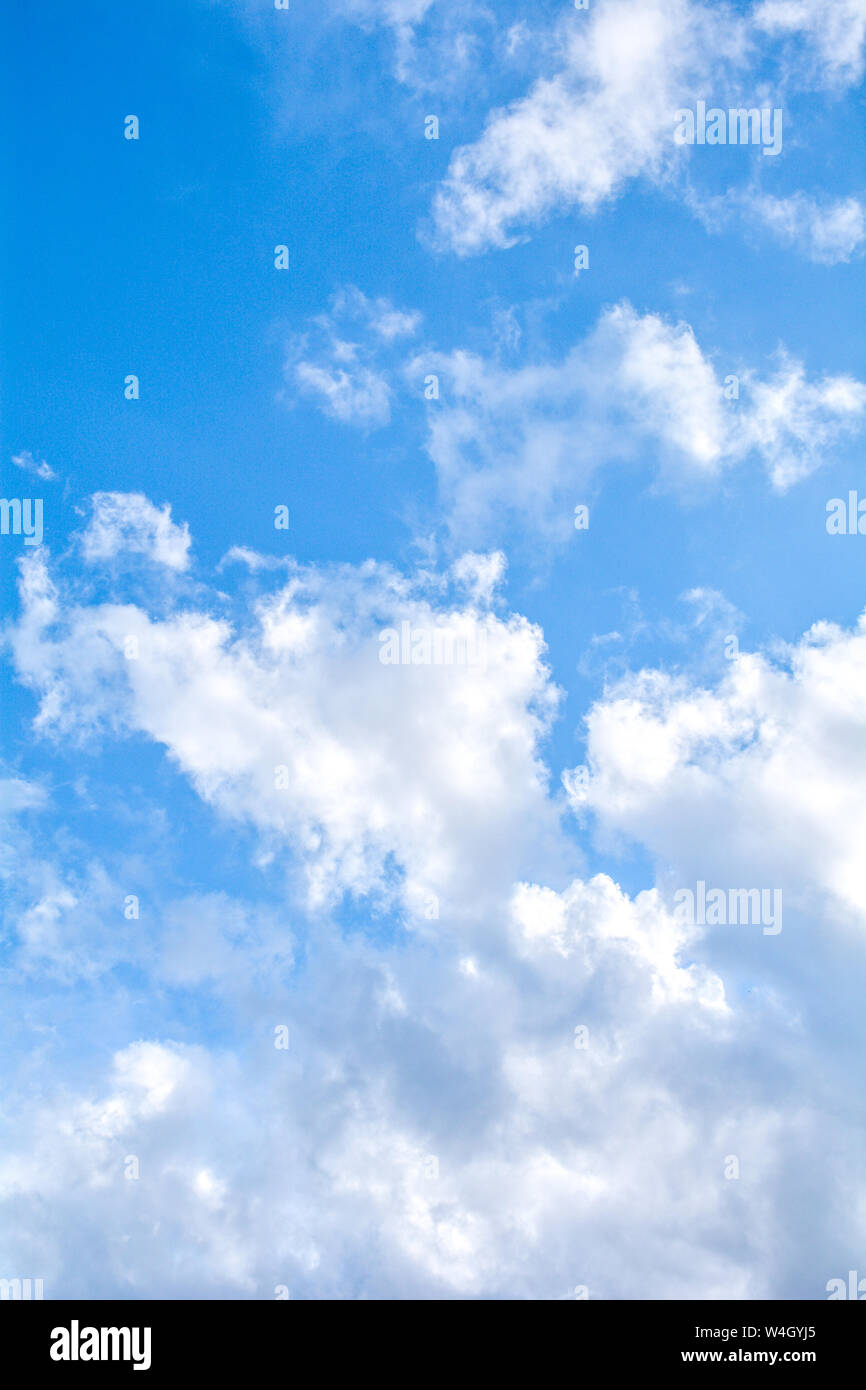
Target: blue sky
pixel 425 896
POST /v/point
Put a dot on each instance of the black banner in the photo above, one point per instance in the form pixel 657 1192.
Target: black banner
pixel 72 1338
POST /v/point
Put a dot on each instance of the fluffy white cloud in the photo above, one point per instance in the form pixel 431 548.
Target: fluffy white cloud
pixel 127 522
pixel 589 920
pixel 559 1115
pixel 480 574
pixel 522 440
pixel 792 422
pixel 536 1089
pixel 603 113
pixel 519 441
pixel 757 780
pixel 605 116
pixel 371 770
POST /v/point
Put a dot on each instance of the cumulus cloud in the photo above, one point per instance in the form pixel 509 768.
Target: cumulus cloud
pixel 831 232
pixel 445 1118
pixel 792 422
pixel 758 776
pixel 520 440
pixel 602 114
pixel 559 1116
pixel 481 575
pixel 128 523
pixel 604 117
pixel 528 1092
pixel 371 770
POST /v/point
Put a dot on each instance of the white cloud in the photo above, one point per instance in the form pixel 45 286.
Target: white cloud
pixel 16 794
pixel 602 114
pixel 559 1115
pixel 529 1091
pixel 127 522
pixel 38 467
pixel 757 780
pixel 825 231
pixel 525 440
pixel 352 394
pixel 792 422
pixel 481 575
pixel 383 769
pixel 379 314
pixel 435 48
pixel 604 117
pixel 397 12
pixel 521 439
pixel 829 233
pixel 589 920
pixel 464 1134
pixel 834 33
pixel 345 376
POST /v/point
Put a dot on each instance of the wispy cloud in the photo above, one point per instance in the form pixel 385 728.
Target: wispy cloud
pixel 344 375
pixel 38 467
pixel 518 440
